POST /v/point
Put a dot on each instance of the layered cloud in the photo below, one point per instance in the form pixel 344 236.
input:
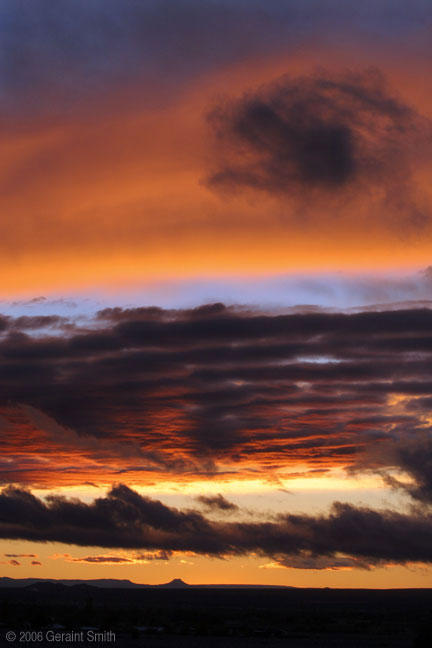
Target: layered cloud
pixel 347 536
pixel 218 390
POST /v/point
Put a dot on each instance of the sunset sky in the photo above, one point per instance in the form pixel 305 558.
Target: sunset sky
pixel 216 291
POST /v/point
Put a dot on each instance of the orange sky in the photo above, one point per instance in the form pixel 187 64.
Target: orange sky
pixel 116 193
pixel 57 562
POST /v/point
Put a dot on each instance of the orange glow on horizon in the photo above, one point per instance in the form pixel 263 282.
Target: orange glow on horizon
pixel 56 563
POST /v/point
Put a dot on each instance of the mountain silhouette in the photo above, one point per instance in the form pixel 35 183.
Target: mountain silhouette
pixel 175 583
pixel 41 584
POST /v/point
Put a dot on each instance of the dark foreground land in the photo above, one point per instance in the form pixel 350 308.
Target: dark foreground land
pixel 48 614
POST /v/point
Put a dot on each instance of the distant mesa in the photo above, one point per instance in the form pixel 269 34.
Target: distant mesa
pixel 44 583
pixel 175 583
pixel 38 584
pixel 51 584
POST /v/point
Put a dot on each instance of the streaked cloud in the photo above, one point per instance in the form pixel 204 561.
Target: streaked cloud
pixel 217 391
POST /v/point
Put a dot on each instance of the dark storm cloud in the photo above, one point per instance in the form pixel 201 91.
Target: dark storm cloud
pixel 124 519
pixel 317 132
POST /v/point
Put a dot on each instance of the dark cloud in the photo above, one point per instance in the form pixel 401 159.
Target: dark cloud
pixel 217 502
pixel 122 519
pixel 128 520
pixel 36 562
pixel 413 456
pixel 20 555
pixel 321 132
